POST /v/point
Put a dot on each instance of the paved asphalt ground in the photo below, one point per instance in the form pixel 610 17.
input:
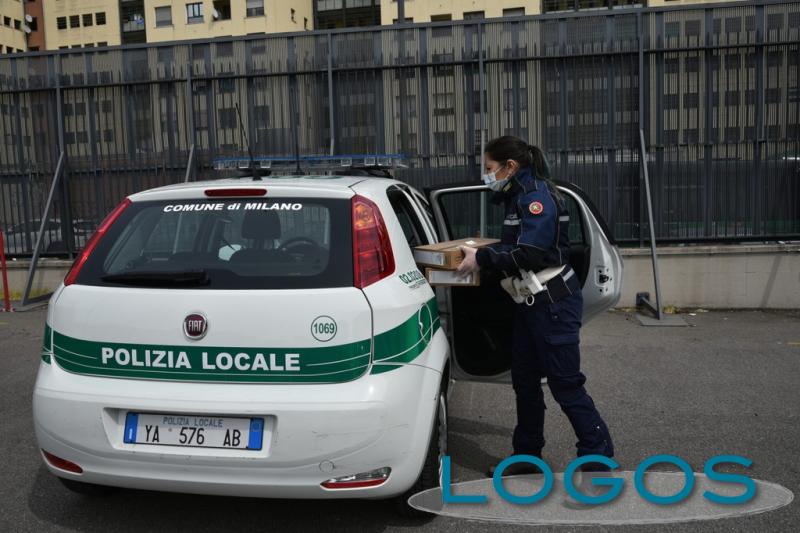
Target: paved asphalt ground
pixel 729 384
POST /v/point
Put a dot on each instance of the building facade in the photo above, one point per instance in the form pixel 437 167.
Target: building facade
pixel 167 20
pixel 12 27
pixel 91 23
pixel 87 23
pixel 438 10
pixel 34 19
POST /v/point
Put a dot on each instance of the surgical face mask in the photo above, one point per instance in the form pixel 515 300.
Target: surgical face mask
pixel 491 180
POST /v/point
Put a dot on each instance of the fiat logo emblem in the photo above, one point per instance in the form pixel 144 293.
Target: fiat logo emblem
pixel 195 326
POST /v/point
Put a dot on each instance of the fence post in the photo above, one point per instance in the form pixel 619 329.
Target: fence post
pixel 757 192
pixel 482 100
pixel 20 155
pixel 709 147
pixel 643 149
pixel 331 105
pixel 377 87
pixel 424 135
pixel 293 100
pixel 192 134
pixel 562 95
pixel 611 142
pixel 659 109
pixel 481 92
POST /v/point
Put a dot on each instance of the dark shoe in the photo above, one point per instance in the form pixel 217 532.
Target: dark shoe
pixel 516 469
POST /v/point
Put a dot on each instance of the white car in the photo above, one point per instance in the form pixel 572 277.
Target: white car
pixel 275 338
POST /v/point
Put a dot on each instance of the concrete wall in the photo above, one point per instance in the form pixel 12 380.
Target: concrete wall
pixel 741 276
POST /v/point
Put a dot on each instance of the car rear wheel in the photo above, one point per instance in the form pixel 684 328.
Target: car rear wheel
pixel 86 489
pixel 431 471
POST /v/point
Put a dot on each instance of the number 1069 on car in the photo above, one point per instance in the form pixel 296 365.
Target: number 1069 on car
pixel 194 431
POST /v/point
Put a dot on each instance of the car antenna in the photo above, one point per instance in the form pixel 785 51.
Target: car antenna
pixel 256 172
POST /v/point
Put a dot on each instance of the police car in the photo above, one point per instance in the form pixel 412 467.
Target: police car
pixel 274 337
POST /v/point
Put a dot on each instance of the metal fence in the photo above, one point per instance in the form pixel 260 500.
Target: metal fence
pixel 716 90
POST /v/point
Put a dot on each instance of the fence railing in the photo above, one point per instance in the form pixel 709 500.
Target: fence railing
pixel 715 88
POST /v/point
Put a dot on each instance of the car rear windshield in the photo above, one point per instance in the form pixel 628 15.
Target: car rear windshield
pixel 285 243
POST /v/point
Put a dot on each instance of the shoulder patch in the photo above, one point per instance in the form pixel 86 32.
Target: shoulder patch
pixel 536 208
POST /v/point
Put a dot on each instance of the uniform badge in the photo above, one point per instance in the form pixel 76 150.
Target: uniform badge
pixel 536 208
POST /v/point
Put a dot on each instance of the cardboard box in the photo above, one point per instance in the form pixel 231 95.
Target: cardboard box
pixel 450 278
pixel 447 255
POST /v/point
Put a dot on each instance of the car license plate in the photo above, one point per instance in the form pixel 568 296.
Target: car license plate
pixel 194 431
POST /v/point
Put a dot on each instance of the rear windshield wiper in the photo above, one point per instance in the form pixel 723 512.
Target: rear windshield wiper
pixel 187 278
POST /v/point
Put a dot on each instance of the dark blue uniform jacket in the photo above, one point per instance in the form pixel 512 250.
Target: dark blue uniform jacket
pixel 535 230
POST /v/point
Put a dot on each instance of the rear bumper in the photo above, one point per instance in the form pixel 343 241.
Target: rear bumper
pixel 313 433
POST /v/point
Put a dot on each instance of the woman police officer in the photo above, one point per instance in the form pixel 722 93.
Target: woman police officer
pixel 546 332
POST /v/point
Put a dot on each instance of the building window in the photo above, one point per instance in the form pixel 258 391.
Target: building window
pixel 228 118
pixel 441 31
pixel 255 8
pixel 474 15
pixel 102 43
pixel 225 50
pixel 74 21
pixel 194 13
pixel 17 24
pixel 514 12
pixel 88 20
pixel 61 23
pixel 7 21
pixel 163 16
pixel 444 142
pixel 223 8
pixel 34 24
pixel 100 18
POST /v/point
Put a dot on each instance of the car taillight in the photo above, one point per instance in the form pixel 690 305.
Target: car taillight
pixel 92 244
pixel 63 464
pixel 373 478
pixel 373 259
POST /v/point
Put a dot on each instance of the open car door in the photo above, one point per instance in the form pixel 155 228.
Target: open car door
pixel 479 320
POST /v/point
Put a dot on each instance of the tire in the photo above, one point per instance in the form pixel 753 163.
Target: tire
pixel 87 489
pixel 431 470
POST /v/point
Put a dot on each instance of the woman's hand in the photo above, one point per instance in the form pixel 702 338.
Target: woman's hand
pixel 468 264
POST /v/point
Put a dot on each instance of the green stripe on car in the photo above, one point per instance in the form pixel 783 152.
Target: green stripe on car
pixel 328 364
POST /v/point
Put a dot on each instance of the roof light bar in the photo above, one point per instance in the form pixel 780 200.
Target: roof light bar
pixel 313 162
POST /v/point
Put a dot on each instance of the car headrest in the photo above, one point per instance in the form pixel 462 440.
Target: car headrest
pixel 261 225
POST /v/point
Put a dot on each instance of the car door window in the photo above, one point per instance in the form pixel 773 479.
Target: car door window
pixel 462 211
pixel 470 213
pixel 406 215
